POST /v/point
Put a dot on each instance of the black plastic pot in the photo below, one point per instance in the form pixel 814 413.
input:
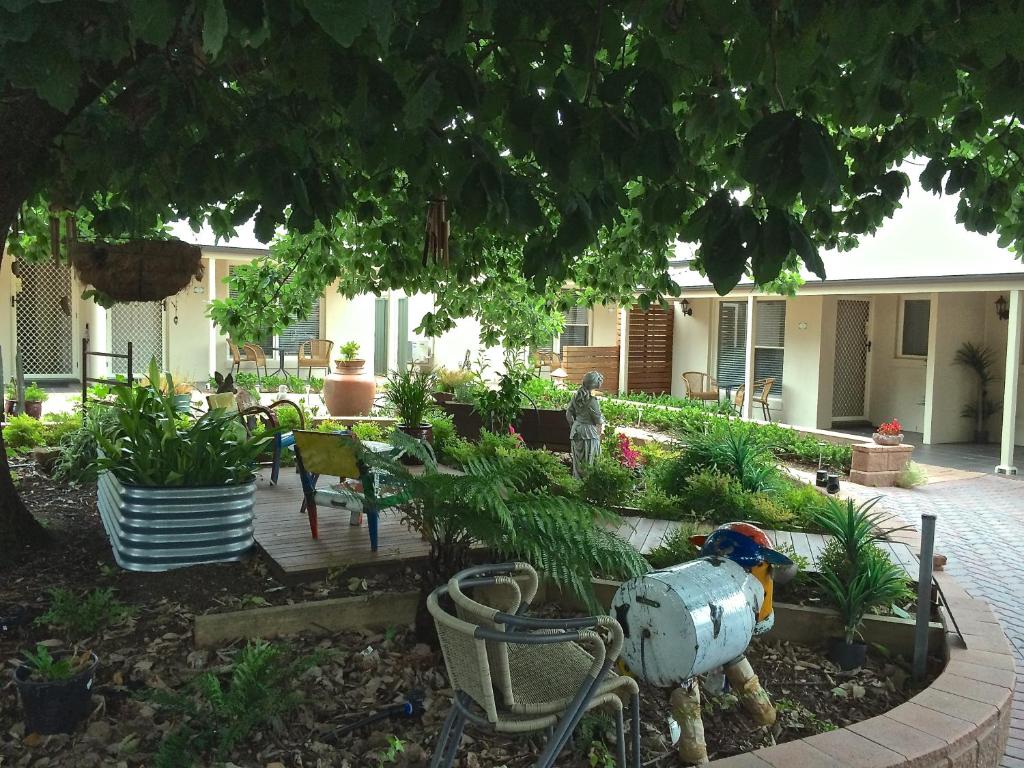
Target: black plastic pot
pixel 57 706
pixel 846 655
pixel 832 485
pixel 821 478
pixel 11 619
pixel 423 432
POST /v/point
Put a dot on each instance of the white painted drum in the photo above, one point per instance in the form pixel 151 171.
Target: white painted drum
pixel 687 620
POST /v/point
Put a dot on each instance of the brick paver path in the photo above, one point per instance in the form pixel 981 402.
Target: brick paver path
pixel 980 528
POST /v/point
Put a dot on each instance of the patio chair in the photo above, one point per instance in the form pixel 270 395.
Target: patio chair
pixel 253 353
pixel 516 674
pixel 340 454
pixel 737 399
pixel 762 397
pixel 700 386
pixel 236 357
pixel 314 353
pixel 250 412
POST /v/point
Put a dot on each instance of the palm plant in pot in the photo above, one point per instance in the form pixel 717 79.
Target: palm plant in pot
pixel 978 359
pixel 409 392
pixel 55 689
pixel 348 360
pixel 855 574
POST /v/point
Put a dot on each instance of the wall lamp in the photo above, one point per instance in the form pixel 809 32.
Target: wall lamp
pixel 685 307
pixel 1002 309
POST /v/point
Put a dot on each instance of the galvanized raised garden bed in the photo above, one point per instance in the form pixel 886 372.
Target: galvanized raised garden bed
pixel 157 529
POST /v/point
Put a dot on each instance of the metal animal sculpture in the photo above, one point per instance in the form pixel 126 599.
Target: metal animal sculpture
pixel 698 618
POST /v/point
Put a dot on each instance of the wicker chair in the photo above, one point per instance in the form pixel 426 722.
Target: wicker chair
pixel 516 674
pixel 700 386
pixel 762 397
pixel 236 356
pixel 249 412
pixel 253 353
pixel 737 399
pixel 314 353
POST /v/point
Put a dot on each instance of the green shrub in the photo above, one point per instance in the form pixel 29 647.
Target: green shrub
pixel 271 383
pixel 23 433
pixel 84 615
pixel 459 452
pixel 443 428
pixel 911 476
pixel 77 462
pixel 35 394
pixel 541 471
pixel 369 430
pixel 606 483
pixel 57 426
pixel 801 499
pixel 657 504
pixel 493 443
pixel 736 449
pixel 674 548
pixel 719 498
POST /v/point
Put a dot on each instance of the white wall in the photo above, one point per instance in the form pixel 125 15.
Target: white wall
pixel 188 341
pixel 897 386
pixel 826 363
pixel 604 325
pixel 7 335
pixel 691 341
pixel 801 368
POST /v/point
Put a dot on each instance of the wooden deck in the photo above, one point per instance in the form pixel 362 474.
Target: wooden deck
pixel 283 534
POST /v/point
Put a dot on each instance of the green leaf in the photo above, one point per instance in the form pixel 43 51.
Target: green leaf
pixel 805 249
pixel 772 247
pixel 818 164
pixel 932 175
pixel 153 21
pixel 422 104
pixel 770 158
pixel 343 21
pixel 215 26
pixel 382 19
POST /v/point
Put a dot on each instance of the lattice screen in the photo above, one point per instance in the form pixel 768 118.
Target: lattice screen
pixel 141 323
pixel 850 374
pixel 44 319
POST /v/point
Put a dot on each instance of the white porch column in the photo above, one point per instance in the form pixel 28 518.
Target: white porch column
pixel 623 349
pixel 748 371
pixel 1011 379
pixel 211 294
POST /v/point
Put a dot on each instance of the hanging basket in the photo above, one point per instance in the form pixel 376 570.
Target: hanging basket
pixel 139 270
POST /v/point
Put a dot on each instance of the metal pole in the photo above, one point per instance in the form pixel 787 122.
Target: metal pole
pixel 85 369
pixel 19 385
pixel 924 595
pixel 131 379
pixel 3 381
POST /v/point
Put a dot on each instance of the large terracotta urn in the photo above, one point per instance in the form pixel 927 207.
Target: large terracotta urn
pixel 350 390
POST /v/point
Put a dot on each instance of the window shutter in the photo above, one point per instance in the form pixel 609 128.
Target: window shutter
pixel 732 342
pixel 769 341
pixel 300 331
pixel 576 328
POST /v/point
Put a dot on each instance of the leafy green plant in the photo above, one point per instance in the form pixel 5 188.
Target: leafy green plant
pixel 499 407
pixel 911 476
pixel 57 426
pixel 802 500
pixel 854 526
pixel 148 443
pixel 719 498
pixel 449 380
pixel 606 483
pixel 11 390
pixel 222 710
pixel 369 430
pixel 35 394
pixel 84 615
pixel 272 383
pixel 44 667
pixel 591 739
pixel 78 449
pixel 675 548
pixel 659 505
pixel 733 449
pixel 409 392
pixel 443 429
pixel 981 361
pixel 348 350
pixel 854 589
pixel 390 755
pixel 22 433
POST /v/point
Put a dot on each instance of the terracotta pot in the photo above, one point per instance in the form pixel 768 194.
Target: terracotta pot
pixel 34 408
pixel 423 432
pixel 9 406
pixel 443 397
pixel 350 391
pixel 881 439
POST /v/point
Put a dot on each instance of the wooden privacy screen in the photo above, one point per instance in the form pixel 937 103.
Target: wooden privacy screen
pixel 579 361
pixel 650 350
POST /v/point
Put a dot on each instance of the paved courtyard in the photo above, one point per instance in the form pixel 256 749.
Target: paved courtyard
pixel 980 529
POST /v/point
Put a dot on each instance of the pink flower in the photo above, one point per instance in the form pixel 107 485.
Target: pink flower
pixel 628 455
pixel 516 435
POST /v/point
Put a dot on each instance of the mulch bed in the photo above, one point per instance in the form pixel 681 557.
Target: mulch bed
pixel 353 672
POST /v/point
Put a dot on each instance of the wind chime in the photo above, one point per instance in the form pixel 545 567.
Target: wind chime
pixel 438 230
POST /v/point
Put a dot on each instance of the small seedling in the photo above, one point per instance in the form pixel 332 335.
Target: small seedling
pixel 44 667
pixel 395 747
pixel 84 615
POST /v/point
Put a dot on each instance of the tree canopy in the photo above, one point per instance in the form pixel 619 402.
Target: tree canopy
pixel 573 141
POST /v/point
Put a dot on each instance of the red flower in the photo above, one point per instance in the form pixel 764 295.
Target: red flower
pixel 892 427
pixel 628 455
pixel 516 435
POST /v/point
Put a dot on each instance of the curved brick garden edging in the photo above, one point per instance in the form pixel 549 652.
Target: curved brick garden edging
pixel 961 720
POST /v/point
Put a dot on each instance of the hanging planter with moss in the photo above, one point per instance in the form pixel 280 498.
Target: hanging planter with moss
pixel 138 270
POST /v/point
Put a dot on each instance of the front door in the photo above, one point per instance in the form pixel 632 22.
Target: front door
pixel 45 330
pixel 850 377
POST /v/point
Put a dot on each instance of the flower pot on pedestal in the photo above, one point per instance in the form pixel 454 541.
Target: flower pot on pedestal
pixel 350 390
pixel 882 439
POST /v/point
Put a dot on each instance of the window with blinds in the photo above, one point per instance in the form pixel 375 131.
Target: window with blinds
pixel 769 342
pixel 915 317
pixel 577 328
pixel 296 333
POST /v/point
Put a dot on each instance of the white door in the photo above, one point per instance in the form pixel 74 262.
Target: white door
pixel 44 322
pixel 142 324
pixel 850 376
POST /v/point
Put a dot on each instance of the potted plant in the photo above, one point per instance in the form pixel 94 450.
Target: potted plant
pixel 450 381
pixel 55 690
pixel 889 433
pixel 35 396
pixel 350 390
pixel 173 490
pixel 408 392
pixel 855 575
pixel 10 397
pixel 979 360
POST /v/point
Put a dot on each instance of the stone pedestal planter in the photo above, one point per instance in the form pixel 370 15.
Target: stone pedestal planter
pixel 878 465
pixel 157 529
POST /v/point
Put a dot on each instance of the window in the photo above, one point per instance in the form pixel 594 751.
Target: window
pixel 577 328
pixel 769 341
pixel 915 315
pixel 293 335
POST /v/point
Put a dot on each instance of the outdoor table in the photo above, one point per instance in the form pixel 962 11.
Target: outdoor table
pixel 280 368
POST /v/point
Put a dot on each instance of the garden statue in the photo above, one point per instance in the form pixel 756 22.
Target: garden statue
pixel 697 619
pixel 586 423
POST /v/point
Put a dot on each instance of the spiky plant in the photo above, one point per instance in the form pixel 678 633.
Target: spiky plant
pixel 980 360
pixel 493 504
pixel 736 450
pixel 874 581
pixel 854 526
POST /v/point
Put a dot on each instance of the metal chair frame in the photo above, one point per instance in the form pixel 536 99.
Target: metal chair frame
pixel 249 411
